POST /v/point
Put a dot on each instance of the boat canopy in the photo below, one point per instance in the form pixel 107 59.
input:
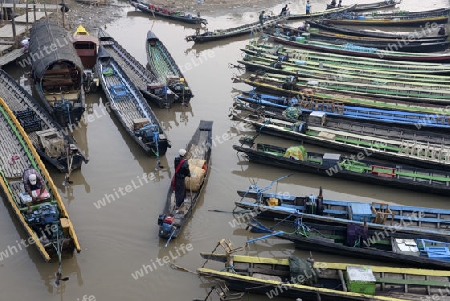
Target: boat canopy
pixel 50 46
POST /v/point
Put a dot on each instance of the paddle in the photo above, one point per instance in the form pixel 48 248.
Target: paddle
pixel 69 166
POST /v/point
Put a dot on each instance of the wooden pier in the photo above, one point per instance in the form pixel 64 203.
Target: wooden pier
pixel 12 31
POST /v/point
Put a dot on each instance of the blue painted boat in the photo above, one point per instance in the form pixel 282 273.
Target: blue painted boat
pixel 419 222
pixel 363 241
pixel 351 112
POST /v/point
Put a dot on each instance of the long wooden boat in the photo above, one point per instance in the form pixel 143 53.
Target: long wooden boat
pixel 49 139
pixel 416 152
pixel 48 226
pixel 402 13
pixel 352 50
pixel 321 14
pixel 431 223
pixel 58 75
pixel 424 34
pixel 354 20
pixel 198 154
pixel 423 45
pixel 376 5
pixel 348 99
pixel 269 64
pixel 305 59
pixel 166 69
pixel 293 277
pixel 369 244
pixel 130 106
pixel 337 165
pixel 145 81
pixel 167 13
pixel 220 34
pixel 330 35
pixel 278 106
pixel 425 93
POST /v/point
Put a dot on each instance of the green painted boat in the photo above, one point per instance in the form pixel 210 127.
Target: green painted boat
pixel 346 62
pixel 412 152
pixel 354 50
pixel 321 14
pixel 270 64
pixel 361 86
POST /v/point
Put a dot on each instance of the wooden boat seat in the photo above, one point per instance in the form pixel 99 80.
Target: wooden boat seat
pixel 267 277
pixel 335 212
pixel 412 282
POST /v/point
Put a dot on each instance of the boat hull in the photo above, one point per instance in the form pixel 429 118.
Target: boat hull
pixel 172 220
pixel 301 166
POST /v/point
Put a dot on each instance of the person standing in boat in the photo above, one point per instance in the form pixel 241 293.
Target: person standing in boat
pixel 34 185
pixel 340 3
pixel 284 11
pixel 181 171
pixel 308 8
pixel 261 18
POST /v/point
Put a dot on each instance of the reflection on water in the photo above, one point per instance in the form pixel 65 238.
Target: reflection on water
pixel 118 238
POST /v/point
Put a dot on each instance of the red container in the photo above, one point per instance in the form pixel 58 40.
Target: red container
pixel 169 220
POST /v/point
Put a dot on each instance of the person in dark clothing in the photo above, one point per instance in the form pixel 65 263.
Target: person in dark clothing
pixel 181 171
pixel 333 3
pixel 441 31
pixel 340 3
pixel 284 10
pixel 261 18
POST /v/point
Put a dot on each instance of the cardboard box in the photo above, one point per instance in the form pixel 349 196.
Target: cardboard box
pixel 139 123
pixel 65 226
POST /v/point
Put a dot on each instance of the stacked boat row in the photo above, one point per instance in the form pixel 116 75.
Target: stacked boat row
pixel 385 104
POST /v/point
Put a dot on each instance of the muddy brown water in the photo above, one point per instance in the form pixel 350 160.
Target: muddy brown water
pixel 120 238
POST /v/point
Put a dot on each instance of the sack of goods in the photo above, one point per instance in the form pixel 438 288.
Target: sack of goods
pixel 197 168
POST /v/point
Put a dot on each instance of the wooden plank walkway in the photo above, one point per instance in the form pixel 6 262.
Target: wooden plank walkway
pixel 6 31
pixel 30 6
pixel 10 56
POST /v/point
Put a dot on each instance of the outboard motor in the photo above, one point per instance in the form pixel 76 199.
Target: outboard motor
pixel 149 133
pixel 165 223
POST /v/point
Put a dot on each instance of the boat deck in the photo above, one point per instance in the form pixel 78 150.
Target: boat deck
pixel 12 155
pixel 123 99
pixel 161 63
pixel 140 76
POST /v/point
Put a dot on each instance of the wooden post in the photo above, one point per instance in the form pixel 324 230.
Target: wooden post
pixel 34 12
pixel 26 17
pixel 63 15
pixel 13 21
pixel 45 11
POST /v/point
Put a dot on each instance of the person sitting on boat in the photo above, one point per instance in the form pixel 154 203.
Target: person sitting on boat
pixel 284 10
pixel 25 43
pixel 181 171
pixel 34 185
pixel 261 18
pixel 308 7
pixel 441 31
pixel 340 3
pixel 333 4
